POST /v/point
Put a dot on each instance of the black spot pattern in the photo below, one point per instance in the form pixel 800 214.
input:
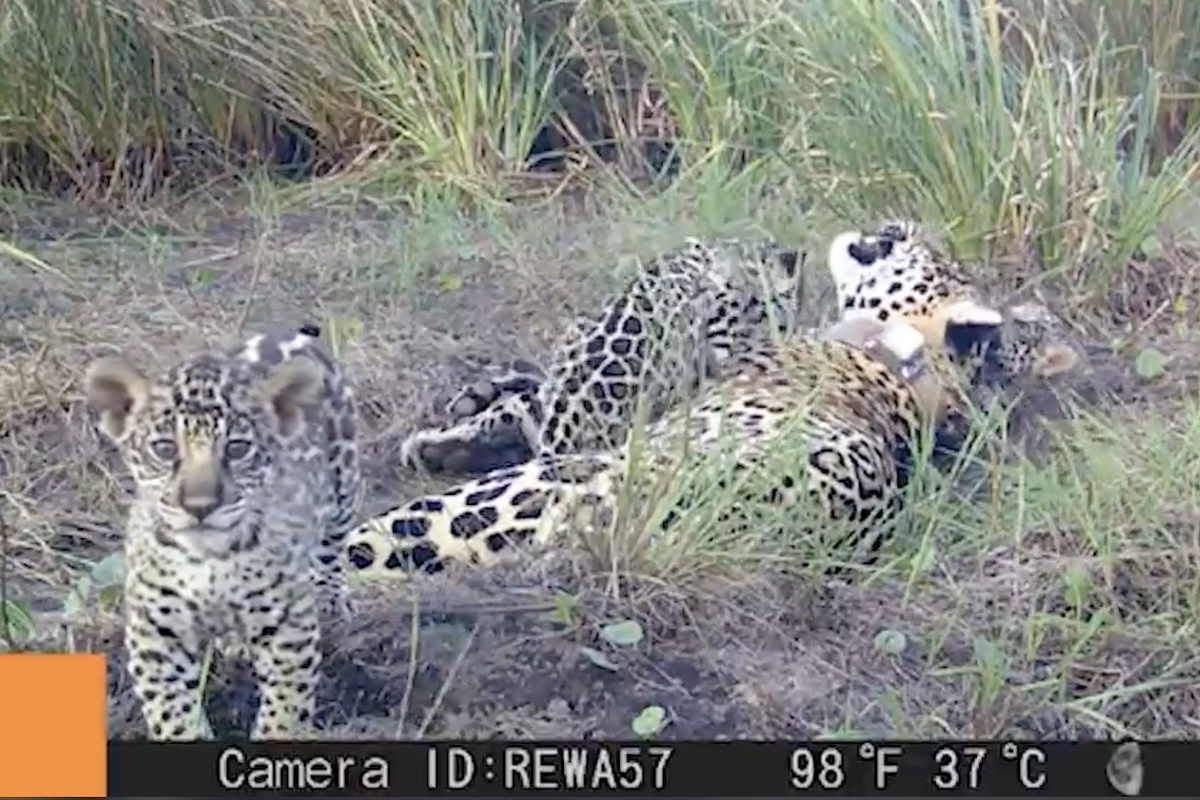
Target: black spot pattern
pixel 410 527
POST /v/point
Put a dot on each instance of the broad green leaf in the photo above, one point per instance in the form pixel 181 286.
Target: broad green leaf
pixel 1150 364
pixel 891 641
pixel 599 659
pixel 18 622
pixel 77 597
pixel 624 634
pixel 109 571
pixel 650 721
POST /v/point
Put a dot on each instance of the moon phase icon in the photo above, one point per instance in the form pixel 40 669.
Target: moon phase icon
pixel 1125 769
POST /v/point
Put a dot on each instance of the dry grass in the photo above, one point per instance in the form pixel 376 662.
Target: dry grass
pixel 1062 601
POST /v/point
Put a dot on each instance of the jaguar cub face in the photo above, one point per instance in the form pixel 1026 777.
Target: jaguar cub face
pixel 768 277
pixel 203 439
pixel 1026 345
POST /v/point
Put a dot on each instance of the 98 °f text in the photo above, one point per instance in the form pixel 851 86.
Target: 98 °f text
pixel 559 768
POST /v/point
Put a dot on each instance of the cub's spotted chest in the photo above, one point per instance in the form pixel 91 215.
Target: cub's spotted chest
pixel 246 477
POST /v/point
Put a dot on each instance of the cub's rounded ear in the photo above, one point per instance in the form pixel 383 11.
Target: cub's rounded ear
pixel 290 388
pixel 116 389
pixel 970 327
pixel 900 230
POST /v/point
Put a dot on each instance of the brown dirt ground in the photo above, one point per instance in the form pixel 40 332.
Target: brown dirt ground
pixel 753 661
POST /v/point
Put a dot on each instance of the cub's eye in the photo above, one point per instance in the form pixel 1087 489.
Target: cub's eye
pixel 237 449
pixel 163 449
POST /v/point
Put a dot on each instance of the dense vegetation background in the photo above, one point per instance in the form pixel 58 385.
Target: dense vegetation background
pixel 1055 126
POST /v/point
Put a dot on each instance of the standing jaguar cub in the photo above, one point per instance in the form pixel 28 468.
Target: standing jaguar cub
pixel 247 482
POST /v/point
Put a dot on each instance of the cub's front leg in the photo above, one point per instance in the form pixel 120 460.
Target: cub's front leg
pixel 165 651
pixel 285 645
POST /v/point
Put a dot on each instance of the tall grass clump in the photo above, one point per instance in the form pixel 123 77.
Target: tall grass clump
pixel 706 79
pixel 80 91
pixel 111 98
pixel 972 115
pixel 461 90
pixel 89 93
pixel 1148 35
pixel 1035 125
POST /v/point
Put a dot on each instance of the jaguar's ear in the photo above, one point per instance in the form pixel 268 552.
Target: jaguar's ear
pixel 116 389
pixel 849 254
pixel 290 388
pixel 970 327
pixel 900 230
pixel 897 343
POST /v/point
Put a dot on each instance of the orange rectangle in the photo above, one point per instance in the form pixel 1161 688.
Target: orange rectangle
pixel 52 725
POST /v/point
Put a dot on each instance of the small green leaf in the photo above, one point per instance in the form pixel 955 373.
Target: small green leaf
pixel 1076 585
pixel 599 659
pixel 986 653
pixel 18 623
pixel 563 612
pixel 109 571
pixel 891 642
pixel 650 721
pixel 623 634
pixel 450 282
pixel 1150 364
pixel 925 558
